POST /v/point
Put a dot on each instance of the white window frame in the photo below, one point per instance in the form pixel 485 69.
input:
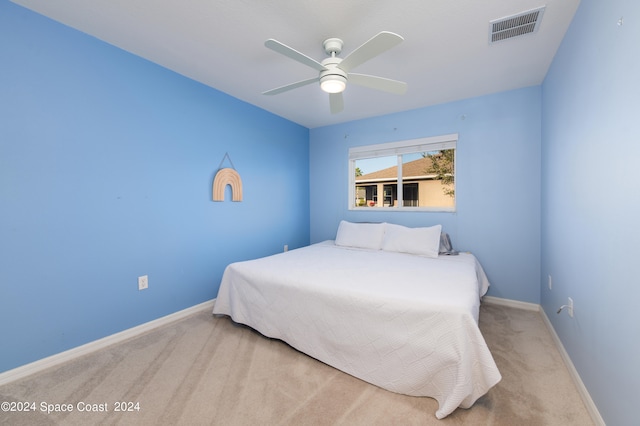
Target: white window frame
pixel 434 143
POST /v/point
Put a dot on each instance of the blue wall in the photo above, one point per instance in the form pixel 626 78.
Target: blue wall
pixel 590 203
pixel 106 170
pixel 497 182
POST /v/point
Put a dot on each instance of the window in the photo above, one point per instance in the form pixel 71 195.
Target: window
pixel 423 168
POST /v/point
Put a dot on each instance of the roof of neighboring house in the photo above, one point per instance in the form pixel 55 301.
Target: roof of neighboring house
pixel 412 169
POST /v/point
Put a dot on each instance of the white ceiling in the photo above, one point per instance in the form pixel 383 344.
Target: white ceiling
pixel 445 56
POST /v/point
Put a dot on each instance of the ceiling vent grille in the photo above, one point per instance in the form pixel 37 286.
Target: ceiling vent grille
pixel 515 25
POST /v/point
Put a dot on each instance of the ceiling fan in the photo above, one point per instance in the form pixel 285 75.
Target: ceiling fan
pixel 334 72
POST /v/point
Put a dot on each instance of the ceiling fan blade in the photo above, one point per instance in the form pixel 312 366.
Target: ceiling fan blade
pixel 379 83
pixel 376 45
pixel 289 52
pixel 291 86
pixel 336 102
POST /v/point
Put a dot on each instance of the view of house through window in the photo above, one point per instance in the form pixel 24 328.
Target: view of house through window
pixel 423 168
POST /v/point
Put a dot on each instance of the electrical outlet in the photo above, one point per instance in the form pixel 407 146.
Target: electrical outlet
pixel 286 247
pixel 570 307
pixel 550 282
pixel 143 282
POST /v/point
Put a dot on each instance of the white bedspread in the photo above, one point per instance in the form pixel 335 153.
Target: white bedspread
pixel 402 322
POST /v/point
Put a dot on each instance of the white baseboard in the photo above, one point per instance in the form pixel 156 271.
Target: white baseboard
pixel 53 360
pixel 511 303
pixel 582 390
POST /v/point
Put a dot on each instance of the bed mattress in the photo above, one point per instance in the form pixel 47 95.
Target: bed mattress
pixel 405 323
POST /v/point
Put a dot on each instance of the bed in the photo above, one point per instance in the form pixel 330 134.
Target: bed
pixel 380 302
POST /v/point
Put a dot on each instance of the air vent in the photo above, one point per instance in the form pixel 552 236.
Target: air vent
pixel 515 25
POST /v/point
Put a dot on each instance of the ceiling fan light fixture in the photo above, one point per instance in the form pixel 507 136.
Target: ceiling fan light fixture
pixel 333 83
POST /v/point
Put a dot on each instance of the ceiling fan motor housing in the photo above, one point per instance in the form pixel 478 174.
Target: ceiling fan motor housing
pixel 333 79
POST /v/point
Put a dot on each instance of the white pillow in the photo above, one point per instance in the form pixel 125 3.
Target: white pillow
pixel 360 235
pixel 421 241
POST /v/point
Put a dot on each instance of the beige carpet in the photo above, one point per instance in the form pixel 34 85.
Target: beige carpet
pixel 209 371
